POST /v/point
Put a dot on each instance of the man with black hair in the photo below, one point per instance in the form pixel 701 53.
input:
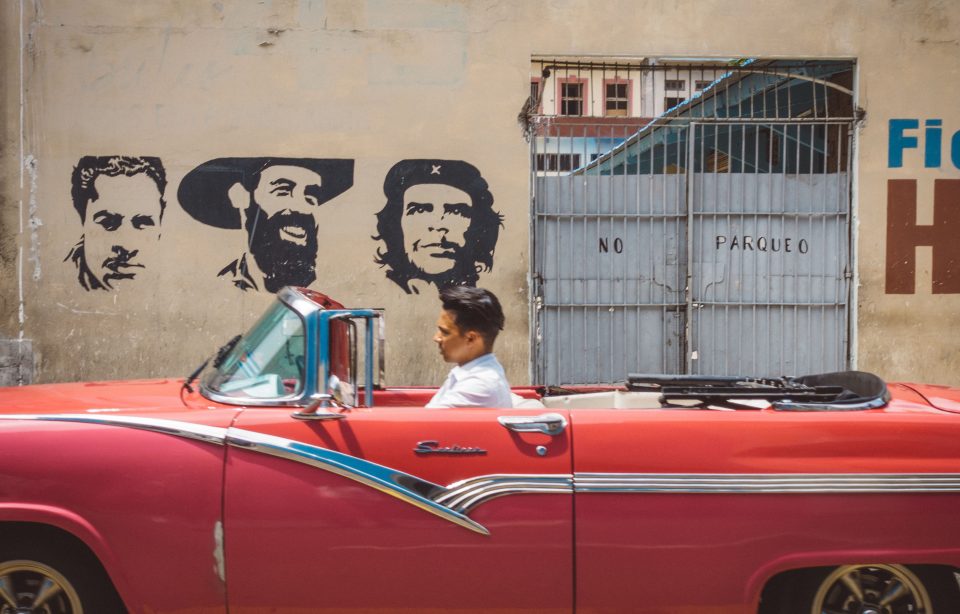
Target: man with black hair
pixel 468 325
pixel 120 203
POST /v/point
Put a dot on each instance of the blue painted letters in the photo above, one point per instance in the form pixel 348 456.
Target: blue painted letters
pixel 904 135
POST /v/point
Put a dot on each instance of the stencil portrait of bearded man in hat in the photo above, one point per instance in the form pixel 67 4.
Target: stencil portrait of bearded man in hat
pixel 276 201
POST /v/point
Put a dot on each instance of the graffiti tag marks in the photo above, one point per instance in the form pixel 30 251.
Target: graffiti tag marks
pixel 275 200
pixel 438 224
pixel 120 203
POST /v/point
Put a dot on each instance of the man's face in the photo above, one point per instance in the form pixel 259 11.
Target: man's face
pixel 435 220
pixel 455 344
pixel 286 191
pixel 122 227
pixel 282 227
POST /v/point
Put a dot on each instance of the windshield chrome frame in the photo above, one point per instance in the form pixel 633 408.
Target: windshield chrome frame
pixel 297 302
pixel 316 324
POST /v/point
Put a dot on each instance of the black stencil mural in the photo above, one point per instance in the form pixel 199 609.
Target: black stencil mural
pixel 276 201
pixel 438 225
pixel 120 202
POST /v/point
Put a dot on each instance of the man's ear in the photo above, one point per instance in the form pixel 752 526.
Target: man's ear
pixel 239 197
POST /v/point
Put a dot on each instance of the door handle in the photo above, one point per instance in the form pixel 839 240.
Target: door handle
pixel 551 424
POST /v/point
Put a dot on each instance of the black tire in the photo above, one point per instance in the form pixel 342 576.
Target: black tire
pixel 930 589
pixel 81 586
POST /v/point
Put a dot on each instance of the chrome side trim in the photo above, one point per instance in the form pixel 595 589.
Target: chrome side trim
pixel 454 501
pixel 403 486
pixel 465 495
pixel 188 430
pixel 766 483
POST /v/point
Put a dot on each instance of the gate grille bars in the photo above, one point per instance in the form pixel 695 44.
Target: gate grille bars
pixel 712 239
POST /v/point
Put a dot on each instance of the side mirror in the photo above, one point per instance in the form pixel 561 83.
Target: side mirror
pixel 351 348
pixel 341 392
pixel 312 410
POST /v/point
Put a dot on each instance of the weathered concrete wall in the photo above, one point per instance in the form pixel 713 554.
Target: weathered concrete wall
pixel 16 356
pixel 914 334
pixel 9 165
pixel 16 362
pixel 374 82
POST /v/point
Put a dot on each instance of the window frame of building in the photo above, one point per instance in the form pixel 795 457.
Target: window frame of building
pixel 675 85
pixel 584 95
pixel 537 81
pixel 556 162
pixel 701 84
pixel 628 99
pixel 667 101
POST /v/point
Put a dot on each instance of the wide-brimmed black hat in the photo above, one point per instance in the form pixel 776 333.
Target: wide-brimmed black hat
pixel 203 192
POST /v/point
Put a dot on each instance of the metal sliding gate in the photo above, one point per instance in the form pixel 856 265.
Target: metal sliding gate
pixel 707 246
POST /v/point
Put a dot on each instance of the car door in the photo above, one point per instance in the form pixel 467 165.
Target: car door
pixel 646 543
pixel 399 508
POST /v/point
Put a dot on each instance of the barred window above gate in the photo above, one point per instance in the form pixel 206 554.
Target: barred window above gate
pixel 617 99
pixel 571 97
pixel 645 88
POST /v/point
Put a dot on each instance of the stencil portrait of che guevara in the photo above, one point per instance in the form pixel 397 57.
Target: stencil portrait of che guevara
pixel 438 225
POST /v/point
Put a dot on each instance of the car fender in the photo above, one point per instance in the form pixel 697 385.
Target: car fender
pixel 146 503
pixel 835 558
pixel 80 528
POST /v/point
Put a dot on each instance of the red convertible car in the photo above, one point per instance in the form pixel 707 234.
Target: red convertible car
pixel 284 477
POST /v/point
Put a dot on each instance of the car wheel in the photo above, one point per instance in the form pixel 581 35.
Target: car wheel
pixel 38 583
pixel 867 589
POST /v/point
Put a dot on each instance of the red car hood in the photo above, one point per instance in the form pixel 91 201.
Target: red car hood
pixel 158 399
pixel 123 396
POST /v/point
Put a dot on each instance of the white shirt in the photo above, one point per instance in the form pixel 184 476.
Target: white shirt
pixel 478 383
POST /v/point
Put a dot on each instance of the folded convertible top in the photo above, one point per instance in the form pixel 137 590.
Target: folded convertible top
pixel 840 391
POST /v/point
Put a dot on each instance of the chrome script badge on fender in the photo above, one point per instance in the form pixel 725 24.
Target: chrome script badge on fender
pixel 431 446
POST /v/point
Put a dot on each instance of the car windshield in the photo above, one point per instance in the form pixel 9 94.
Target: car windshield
pixel 267 362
